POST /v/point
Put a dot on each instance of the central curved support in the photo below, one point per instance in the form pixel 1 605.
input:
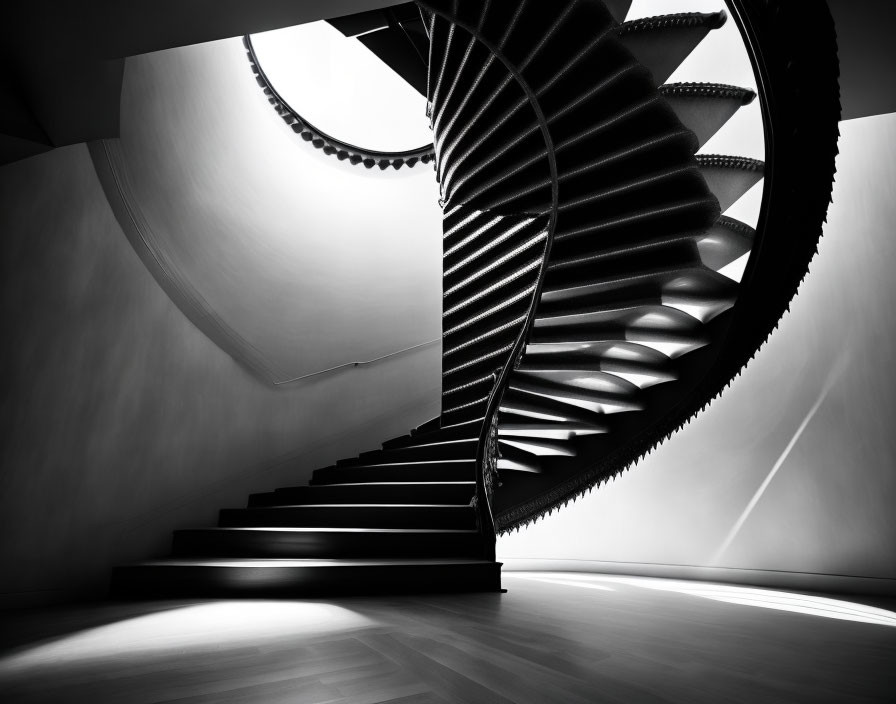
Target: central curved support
pixel 546 117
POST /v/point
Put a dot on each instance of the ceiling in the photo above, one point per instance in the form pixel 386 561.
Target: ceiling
pixel 64 61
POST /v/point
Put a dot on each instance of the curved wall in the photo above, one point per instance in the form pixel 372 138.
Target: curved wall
pixel 123 420
pixel 793 468
pixel 301 261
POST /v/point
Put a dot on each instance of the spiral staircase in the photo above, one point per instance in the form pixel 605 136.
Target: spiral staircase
pixel 587 309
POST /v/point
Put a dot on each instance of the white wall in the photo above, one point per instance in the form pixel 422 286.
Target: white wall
pixel 311 261
pixel 121 420
pixel 829 507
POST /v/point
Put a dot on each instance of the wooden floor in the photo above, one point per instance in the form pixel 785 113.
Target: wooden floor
pixel 550 638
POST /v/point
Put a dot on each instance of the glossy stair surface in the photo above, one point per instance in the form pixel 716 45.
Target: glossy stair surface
pixel 305 577
pixel 598 289
pixel 395 520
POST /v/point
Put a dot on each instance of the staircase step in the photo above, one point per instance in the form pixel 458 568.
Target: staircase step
pixel 440 471
pixel 327 542
pixel 647 284
pixel 729 177
pixel 498 305
pixel 538 407
pixel 671 343
pixel 727 240
pixel 350 516
pixel 704 108
pixel 466 412
pixel 653 316
pixel 433 451
pixel 597 399
pixel 491 261
pixel 540 447
pixel 662 43
pixel 635 363
pixel 467 390
pixel 302 578
pixel 399 441
pixel 429 426
pixel 588 380
pixel 515 459
pixel 511 425
pixel 462 432
pixel 458 493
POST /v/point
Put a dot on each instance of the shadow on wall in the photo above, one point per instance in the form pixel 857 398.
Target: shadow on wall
pixel 794 467
pixel 120 419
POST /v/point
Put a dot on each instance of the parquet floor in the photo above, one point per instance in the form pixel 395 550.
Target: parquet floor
pixel 550 638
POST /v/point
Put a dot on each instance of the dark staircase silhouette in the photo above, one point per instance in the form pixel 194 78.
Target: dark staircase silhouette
pixel 587 312
pixel 398 519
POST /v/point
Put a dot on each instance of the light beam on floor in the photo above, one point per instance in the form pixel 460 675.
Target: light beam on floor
pixel 190 629
pixel 808 604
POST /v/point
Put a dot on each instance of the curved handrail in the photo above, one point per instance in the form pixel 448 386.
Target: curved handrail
pixel 330 145
pixel 484 507
pixel 359 364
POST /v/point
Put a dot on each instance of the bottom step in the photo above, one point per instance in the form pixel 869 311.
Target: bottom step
pixel 293 578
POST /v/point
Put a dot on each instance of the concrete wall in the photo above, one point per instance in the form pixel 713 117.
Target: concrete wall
pixel 813 416
pixel 120 420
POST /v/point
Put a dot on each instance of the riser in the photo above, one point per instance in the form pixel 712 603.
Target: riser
pixel 469 433
pixel 463 415
pixel 487 353
pixel 430 493
pixel 730 177
pixel 682 343
pixel 291 580
pixel 452 517
pixel 519 403
pixel 486 367
pixel 506 301
pixel 462 449
pixel 491 333
pixel 466 388
pixel 325 544
pixel 664 43
pixel 514 258
pixel 428 427
pixel 667 256
pixel 705 113
pixel 455 471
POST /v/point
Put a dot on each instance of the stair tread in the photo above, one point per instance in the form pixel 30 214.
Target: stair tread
pixel 705 108
pixel 708 91
pixel 436 483
pixel 396 464
pixel 301 562
pixel 355 505
pixel 325 529
pixel 663 42
pixel 729 177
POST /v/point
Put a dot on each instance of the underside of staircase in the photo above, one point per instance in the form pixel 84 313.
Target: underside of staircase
pixel 589 308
